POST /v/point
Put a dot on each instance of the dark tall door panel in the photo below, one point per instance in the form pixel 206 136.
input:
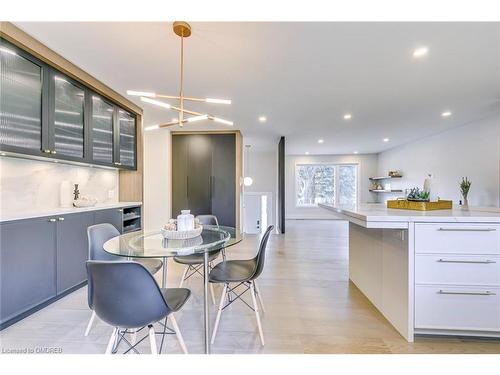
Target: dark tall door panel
pixel 28 265
pixel 199 174
pixel 223 189
pixel 72 249
pixel 179 174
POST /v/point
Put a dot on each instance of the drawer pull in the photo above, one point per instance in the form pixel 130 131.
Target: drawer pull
pixel 487 261
pixel 467 229
pixel 60 219
pixel 52 220
pixel 487 293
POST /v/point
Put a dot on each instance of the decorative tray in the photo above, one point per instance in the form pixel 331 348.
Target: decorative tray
pixel 404 204
pixel 181 235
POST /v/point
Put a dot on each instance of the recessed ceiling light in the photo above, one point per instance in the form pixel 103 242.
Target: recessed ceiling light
pixel 262 118
pixel 320 140
pixel 420 52
pixel 386 139
pixel 3 154
pixel 307 152
pixel 347 116
pixel 355 152
pixel 446 114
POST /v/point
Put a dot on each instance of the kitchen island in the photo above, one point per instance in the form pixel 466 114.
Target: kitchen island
pixel 427 272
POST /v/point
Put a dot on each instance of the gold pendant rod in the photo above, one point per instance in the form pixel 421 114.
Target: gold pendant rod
pixel 181 94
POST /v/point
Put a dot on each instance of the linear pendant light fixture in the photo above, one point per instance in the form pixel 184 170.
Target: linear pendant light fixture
pixel 183 30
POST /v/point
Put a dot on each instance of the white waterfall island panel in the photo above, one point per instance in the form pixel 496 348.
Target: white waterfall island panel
pixel 388 247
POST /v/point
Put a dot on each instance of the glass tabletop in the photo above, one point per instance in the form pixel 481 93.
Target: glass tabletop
pixel 153 245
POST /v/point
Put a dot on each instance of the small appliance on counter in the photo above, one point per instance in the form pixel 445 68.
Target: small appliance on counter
pixel 65 194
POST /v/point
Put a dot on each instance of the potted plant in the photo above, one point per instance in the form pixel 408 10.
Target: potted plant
pixel 417 195
pixel 464 189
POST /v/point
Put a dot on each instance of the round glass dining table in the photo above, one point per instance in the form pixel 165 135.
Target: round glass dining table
pixel 142 244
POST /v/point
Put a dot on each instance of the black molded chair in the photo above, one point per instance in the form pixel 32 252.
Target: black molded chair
pixel 244 273
pixel 194 263
pixel 97 236
pixel 126 296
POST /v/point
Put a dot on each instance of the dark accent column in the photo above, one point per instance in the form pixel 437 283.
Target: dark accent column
pixel 281 185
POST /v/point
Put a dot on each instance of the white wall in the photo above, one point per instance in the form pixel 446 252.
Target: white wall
pixel 263 168
pixel 472 150
pixel 30 185
pixel 367 168
pixel 157 178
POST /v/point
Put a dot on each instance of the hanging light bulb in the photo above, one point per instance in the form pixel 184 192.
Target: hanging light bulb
pixel 247 181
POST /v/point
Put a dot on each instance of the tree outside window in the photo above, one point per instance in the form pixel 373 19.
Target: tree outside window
pixel 325 183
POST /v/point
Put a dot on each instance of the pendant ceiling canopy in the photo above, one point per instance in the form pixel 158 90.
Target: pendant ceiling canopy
pixel 183 30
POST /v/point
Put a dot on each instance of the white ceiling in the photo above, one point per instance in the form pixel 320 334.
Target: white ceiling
pixel 302 76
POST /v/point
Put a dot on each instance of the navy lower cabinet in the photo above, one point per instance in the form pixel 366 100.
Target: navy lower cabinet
pixel 112 216
pixel 27 264
pixel 72 249
pixel 43 259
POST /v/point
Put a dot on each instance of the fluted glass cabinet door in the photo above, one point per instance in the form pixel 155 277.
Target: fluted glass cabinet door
pixel 20 100
pixel 126 123
pixel 102 130
pixel 68 117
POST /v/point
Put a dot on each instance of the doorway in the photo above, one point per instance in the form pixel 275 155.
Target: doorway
pixel 256 208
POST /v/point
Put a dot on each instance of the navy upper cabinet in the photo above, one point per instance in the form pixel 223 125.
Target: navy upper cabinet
pixel 125 152
pixel 66 117
pixel 22 100
pixel 102 130
pixel 43 112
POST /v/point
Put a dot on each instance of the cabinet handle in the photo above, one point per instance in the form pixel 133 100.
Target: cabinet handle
pixel 53 152
pixel 52 220
pixel 117 163
pixel 467 229
pixel 487 261
pixel 487 293
pixel 121 210
pixel 46 151
pixel 60 218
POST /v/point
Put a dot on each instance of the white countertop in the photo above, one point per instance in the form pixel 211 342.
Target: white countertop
pixel 377 215
pixel 19 215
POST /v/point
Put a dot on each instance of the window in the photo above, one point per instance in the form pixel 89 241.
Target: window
pixel 326 183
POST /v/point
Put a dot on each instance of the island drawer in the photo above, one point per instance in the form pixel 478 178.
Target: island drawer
pixel 457 269
pixel 458 238
pixel 457 308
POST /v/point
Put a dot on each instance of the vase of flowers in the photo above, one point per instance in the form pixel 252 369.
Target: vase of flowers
pixel 464 189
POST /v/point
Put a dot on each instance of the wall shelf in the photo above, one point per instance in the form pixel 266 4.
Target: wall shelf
pixel 386 191
pixel 383 178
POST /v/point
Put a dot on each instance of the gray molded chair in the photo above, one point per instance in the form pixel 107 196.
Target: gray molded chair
pixel 126 296
pixel 97 236
pixel 194 263
pixel 244 273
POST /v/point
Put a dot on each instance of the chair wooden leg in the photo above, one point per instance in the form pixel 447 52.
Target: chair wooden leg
pixel 152 339
pixel 256 308
pixel 112 340
pixel 211 285
pixel 259 296
pixel 91 322
pixel 186 269
pixel 219 312
pixel 133 336
pixel 178 333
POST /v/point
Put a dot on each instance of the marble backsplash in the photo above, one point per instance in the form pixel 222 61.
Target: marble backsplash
pixel 27 185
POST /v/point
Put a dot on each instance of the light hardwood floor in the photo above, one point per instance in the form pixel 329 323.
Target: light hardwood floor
pixel 311 307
